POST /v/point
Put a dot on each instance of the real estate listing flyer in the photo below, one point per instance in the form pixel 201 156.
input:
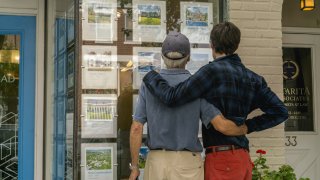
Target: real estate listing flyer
pixel 197 21
pixel 149 21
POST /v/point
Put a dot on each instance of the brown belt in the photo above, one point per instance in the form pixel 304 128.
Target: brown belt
pixel 222 148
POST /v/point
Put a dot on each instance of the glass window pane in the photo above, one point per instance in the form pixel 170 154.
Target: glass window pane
pixel 298 92
pixel 9 102
pixel 120 42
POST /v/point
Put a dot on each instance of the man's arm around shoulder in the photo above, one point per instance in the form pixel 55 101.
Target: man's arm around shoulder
pixel 191 89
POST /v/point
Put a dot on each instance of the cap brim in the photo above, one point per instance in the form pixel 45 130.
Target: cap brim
pixel 181 59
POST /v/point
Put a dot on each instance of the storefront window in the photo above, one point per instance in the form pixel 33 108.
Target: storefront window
pixel 93 76
pixel 298 89
pixel 120 41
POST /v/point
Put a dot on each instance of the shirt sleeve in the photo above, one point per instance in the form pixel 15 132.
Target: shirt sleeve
pixel 192 88
pixel 275 112
pixel 208 112
pixel 140 113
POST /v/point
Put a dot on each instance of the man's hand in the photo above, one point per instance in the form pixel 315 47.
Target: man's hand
pixel 134 174
pixel 244 129
pixel 228 127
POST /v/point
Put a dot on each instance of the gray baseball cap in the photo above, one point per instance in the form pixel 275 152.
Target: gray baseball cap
pixel 176 42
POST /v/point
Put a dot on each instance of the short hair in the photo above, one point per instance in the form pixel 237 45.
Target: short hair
pixel 225 38
pixel 175 60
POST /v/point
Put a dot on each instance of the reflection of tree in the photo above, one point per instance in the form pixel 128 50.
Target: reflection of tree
pixel 1 41
pixel 173 15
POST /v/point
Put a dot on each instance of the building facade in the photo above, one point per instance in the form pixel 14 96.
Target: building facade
pixel 70 73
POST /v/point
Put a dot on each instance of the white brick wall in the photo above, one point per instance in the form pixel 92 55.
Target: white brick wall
pixel 261 51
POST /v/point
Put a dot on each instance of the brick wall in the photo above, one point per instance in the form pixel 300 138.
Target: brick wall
pixel 260 50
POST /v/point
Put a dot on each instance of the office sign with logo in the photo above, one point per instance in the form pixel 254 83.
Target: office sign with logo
pixel 297 81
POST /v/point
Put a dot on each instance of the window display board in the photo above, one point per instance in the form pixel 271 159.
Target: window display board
pixel 197 21
pixel 99 116
pixel 145 59
pixel 149 19
pixel 99 161
pixel 99 20
pixel 198 58
pixel 99 67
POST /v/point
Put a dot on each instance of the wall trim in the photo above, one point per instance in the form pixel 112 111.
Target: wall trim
pixel 39 101
pixel 19 11
pixel 301 30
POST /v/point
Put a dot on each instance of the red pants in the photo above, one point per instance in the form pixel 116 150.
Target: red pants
pixel 228 165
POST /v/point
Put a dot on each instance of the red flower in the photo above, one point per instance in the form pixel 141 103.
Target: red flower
pixel 260 151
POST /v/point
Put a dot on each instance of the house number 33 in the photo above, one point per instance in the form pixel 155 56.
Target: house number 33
pixel 291 141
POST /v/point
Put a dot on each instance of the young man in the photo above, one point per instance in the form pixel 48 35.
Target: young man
pixel 235 91
pixel 173 132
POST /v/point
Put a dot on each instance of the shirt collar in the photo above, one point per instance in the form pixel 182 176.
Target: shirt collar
pixel 233 57
pixel 174 71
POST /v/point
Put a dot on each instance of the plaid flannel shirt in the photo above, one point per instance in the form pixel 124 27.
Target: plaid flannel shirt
pixel 233 89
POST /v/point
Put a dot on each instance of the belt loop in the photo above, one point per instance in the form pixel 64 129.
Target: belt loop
pixel 214 150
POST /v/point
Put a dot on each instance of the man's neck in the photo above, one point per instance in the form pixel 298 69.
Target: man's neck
pixel 218 55
pixel 182 68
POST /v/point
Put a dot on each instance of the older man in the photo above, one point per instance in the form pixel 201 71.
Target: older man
pixel 173 132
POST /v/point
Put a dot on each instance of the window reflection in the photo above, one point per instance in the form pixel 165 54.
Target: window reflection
pixel 9 102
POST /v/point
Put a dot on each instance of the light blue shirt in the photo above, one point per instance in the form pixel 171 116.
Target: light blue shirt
pixel 173 128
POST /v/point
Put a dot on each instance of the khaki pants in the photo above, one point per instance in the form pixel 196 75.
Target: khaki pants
pixel 173 165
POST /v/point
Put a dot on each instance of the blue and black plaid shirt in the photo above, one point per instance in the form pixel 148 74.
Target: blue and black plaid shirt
pixel 233 89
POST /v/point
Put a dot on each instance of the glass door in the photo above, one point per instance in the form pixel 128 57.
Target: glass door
pixel 301 96
pixel 9 96
pixel 17 85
